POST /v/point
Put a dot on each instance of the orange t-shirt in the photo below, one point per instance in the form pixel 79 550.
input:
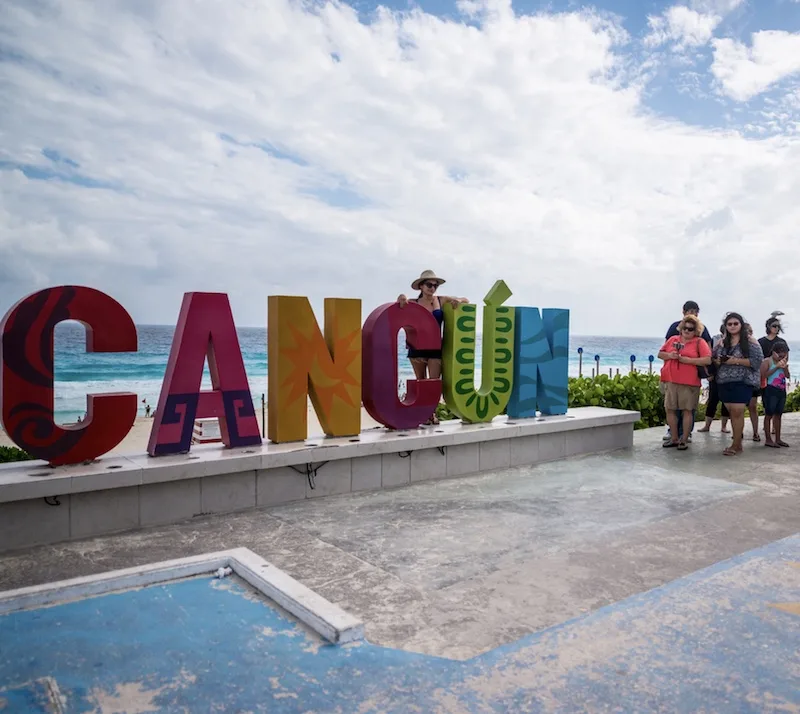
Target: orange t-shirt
pixel 677 372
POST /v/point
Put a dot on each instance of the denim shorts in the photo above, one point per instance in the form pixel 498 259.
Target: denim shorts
pixel 774 401
pixel 734 392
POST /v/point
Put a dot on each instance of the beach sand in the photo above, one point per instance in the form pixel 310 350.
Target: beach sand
pixel 136 440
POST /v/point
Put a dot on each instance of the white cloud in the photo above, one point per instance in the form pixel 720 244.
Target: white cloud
pixel 719 7
pixel 745 72
pixel 279 148
pixel 682 27
pixel 689 26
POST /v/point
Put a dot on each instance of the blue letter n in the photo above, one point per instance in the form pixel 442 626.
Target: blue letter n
pixel 541 363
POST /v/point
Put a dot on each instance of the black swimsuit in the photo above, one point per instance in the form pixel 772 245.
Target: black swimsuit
pixel 427 354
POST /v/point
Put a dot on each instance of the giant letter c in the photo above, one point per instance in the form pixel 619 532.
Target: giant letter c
pixel 26 374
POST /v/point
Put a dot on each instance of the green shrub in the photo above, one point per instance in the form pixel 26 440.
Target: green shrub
pixel 443 412
pixel 12 453
pixel 636 391
pixel 793 400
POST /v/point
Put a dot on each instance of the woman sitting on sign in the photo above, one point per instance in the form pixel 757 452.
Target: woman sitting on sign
pixel 427 364
pixel 682 355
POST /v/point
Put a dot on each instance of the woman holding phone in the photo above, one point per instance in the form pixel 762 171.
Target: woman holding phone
pixel 738 362
pixel 683 354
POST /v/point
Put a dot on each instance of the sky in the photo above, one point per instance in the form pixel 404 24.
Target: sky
pixel 615 158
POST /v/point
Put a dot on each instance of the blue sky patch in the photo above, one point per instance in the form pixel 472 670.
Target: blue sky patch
pixel 337 196
pixel 48 173
pixel 57 158
pixel 267 148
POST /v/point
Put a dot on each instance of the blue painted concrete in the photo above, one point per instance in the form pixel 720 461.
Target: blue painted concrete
pixel 713 641
pixel 27 697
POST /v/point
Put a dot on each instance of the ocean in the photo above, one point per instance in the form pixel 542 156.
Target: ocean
pixel 78 373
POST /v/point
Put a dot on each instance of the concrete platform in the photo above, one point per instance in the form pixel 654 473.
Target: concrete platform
pixel 456 569
pixel 40 504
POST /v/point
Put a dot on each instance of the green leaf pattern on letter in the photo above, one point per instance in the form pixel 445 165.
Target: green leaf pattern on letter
pixel 458 354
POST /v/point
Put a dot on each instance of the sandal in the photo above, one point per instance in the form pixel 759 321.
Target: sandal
pixel 783 443
pixel 682 446
pixel 669 444
pixel 730 452
pixel 772 445
pixel 756 437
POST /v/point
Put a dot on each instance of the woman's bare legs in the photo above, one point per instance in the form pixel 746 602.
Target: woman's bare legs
pixel 711 406
pixel 426 368
pixel 776 422
pixel 420 367
pixel 737 422
pixel 688 418
pixel 672 421
pixel 753 409
pixel 434 372
pixel 768 431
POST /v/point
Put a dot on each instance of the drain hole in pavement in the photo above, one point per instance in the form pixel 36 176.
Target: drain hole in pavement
pixel 352 441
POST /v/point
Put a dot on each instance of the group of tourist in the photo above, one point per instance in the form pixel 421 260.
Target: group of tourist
pixel 739 370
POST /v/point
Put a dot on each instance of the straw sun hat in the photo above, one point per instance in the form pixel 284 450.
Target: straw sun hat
pixel 424 278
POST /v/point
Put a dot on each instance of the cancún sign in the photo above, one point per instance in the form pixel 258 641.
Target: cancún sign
pixel 340 367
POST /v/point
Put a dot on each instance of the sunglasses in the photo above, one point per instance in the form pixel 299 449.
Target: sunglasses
pixel 432 286
pixel 688 329
pixel 732 324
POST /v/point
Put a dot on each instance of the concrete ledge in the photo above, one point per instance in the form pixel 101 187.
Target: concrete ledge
pixel 35 479
pixel 40 505
pixel 325 618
